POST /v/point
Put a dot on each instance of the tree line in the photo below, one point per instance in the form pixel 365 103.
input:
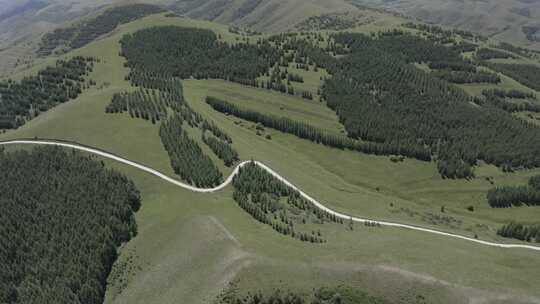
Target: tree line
pixel 523 232
pixel 461 66
pixel 160 91
pixel 63 217
pixel 513 93
pixel 309 132
pixel 23 100
pixel 526 74
pixel 508 196
pixel 380 97
pixel 529 53
pixel 81 34
pixel 464 77
pixel 141 104
pixel 496 98
pixel 486 54
pixel 222 149
pixel 325 295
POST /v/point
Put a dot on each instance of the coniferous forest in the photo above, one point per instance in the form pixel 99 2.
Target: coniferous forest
pixel 63 217
pixel 187 158
pixel 326 295
pixel 185 52
pixel 306 131
pixel 222 149
pixel 23 100
pixel 527 75
pixel 508 196
pixel 527 233
pixel 380 97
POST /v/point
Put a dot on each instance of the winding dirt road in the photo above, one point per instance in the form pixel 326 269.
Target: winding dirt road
pixel 108 155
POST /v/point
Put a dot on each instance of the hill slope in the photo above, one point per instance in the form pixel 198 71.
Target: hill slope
pixel 267 16
pixel 510 20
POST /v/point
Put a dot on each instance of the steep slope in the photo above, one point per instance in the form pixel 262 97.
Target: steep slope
pixel 268 16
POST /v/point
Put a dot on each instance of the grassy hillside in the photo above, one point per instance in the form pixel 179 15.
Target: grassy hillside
pixel 191 246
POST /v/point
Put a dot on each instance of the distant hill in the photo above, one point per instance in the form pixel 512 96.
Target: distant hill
pixel 267 15
pixel 514 21
pixel 23 23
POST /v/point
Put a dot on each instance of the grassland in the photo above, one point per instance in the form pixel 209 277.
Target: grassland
pixel 191 245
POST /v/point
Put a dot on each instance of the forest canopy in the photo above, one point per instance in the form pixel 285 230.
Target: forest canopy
pixel 63 216
pixel 379 96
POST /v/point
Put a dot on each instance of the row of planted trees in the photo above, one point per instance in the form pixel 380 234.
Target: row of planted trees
pixel 508 196
pixel 309 132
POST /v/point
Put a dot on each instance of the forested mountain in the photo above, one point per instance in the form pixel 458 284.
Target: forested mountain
pixel 63 217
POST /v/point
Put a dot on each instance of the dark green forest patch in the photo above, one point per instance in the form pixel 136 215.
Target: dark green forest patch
pixel 23 100
pixel 187 52
pixel 508 196
pixel 523 232
pixel 273 203
pixel 527 75
pixel 63 217
pixel 380 97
